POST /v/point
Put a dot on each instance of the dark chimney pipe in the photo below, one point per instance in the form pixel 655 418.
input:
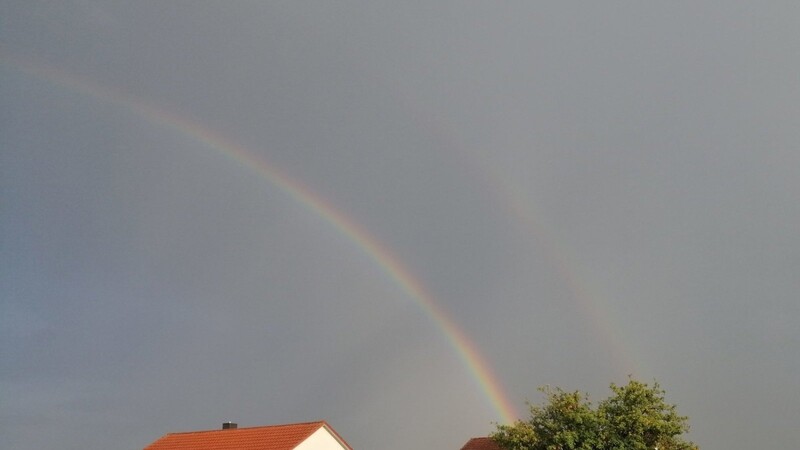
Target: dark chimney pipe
pixel 229 426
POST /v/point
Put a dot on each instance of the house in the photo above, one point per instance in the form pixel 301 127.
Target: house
pixel 295 436
pixel 481 443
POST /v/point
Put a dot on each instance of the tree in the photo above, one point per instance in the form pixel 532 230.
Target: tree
pixel 635 417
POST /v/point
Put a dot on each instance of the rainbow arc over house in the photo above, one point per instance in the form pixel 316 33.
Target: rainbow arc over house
pixel 380 254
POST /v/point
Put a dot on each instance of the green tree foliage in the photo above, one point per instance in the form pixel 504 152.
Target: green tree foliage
pixel 635 417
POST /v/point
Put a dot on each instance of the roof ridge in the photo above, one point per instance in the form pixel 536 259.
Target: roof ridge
pixel 321 422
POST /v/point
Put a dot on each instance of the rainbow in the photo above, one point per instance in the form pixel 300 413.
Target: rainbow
pixel 530 223
pixel 566 266
pixel 467 351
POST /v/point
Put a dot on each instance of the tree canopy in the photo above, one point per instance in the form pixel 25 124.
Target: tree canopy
pixel 634 417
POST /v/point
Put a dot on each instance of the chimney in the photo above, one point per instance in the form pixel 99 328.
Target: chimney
pixel 229 426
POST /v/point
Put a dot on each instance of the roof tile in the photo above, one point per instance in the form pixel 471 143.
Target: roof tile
pixel 273 437
pixel 481 443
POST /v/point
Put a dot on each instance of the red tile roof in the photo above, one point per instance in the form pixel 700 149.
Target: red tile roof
pixel 274 437
pixel 481 443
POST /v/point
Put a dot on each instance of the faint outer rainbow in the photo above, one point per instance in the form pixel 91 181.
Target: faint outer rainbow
pixel 472 359
pixel 590 301
pixel 530 222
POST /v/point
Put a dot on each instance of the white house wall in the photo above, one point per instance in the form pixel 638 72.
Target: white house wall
pixel 321 439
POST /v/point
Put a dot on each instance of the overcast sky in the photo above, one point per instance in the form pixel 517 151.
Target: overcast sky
pixel 586 190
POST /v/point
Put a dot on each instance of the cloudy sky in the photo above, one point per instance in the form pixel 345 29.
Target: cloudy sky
pixel 269 212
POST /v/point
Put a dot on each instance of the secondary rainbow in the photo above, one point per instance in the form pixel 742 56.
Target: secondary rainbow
pixel 530 222
pixel 468 353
